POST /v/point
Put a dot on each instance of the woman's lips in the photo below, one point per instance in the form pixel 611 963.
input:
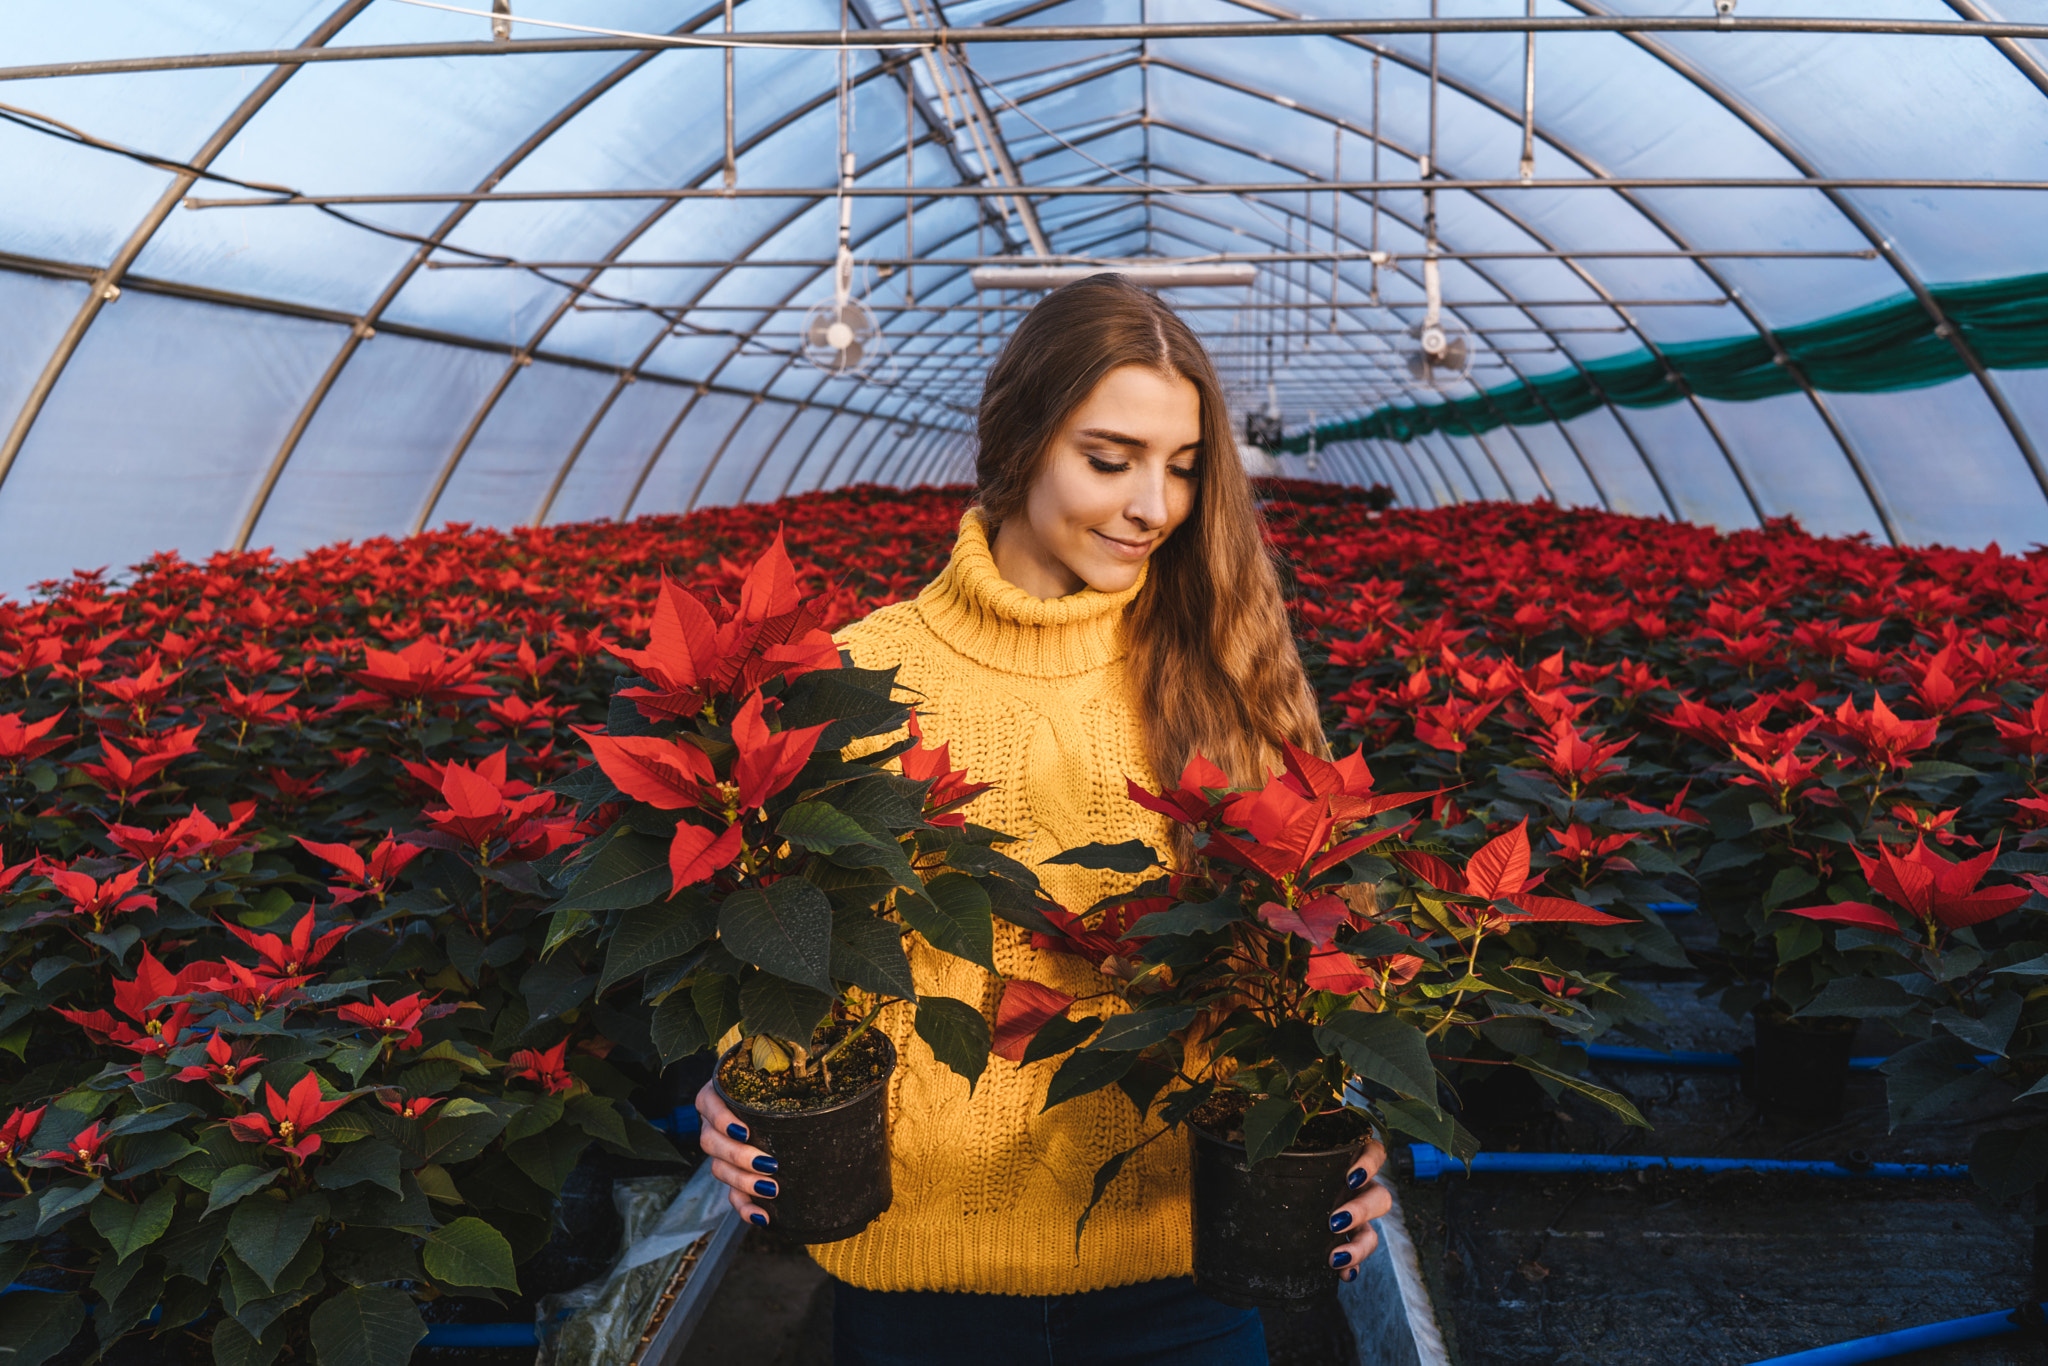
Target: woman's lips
pixel 1125 550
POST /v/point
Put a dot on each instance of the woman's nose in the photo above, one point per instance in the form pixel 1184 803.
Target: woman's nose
pixel 1147 507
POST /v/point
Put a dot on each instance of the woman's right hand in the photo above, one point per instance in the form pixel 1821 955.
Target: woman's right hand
pixel 748 1173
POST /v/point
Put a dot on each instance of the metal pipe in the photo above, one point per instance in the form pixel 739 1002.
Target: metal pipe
pixel 1049 33
pixel 1097 188
pixel 1161 264
pixel 1166 275
pixel 1431 1163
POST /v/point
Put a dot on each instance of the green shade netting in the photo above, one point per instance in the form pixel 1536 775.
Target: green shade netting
pixel 1887 345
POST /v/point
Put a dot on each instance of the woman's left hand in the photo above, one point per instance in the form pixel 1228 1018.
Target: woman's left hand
pixel 1354 1217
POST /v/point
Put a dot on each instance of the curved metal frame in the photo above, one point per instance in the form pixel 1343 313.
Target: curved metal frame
pixel 105 284
pixel 1655 219
pixel 1783 145
pixel 934 449
pixel 1490 200
pixel 1605 300
pixel 365 327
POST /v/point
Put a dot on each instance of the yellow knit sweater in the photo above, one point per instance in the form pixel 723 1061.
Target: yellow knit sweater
pixel 1030 694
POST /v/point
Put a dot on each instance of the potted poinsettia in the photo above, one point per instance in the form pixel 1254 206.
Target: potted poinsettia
pixel 763 865
pixel 1291 989
pixel 1920 950
pixel 1798 802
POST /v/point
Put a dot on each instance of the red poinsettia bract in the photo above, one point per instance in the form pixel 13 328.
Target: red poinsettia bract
pixel 289 1125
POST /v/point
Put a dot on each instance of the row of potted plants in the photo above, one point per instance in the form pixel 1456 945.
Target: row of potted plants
pixel 1831 748
pixel 314 903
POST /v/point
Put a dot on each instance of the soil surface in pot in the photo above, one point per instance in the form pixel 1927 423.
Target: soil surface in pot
pixel 865 1062
pixel 1223 1115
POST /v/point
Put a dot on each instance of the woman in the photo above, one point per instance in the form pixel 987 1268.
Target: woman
pixel 1110 607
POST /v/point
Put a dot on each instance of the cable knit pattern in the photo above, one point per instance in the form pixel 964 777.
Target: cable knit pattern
pixel 1030 694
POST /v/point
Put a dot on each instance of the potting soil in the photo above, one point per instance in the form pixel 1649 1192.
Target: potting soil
pixel 864 1062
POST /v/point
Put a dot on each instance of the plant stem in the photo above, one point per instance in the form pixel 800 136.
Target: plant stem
pixel 866 1022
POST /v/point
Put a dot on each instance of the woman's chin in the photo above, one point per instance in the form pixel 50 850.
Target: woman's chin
pixel 1105 575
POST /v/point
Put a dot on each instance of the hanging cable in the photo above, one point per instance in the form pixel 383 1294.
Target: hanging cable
pixel 1529 99
pixel 842 269
pixel 1374 297
pixel 732 168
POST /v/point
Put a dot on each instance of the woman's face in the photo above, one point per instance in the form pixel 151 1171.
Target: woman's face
pixel 1119 478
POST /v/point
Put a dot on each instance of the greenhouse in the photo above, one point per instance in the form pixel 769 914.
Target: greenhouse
pixel 596 765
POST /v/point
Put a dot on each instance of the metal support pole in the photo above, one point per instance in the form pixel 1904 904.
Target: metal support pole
pixel 1336 214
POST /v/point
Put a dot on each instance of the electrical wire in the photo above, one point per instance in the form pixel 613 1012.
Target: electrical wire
pixel 665 39
pixel 50 126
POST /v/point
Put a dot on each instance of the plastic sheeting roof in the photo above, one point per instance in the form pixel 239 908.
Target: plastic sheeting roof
pixel 189 378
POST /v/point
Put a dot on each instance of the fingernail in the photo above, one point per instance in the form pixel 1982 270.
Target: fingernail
pixel 764 1188
pixel 1351 1275
pixel 1356 1178
pixel 738 1131
pixel 1340 1221
pixel 1341 1259
pixel 765 1163
pixel 758 1219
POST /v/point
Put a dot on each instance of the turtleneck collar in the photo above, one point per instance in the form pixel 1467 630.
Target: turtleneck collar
pixel 984 616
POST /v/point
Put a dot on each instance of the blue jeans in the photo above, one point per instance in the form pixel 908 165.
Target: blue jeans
pixel 1155 1323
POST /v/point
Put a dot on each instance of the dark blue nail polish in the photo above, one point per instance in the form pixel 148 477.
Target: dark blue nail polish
pixel 1341 1259
pixel 1340 1221
pixel 738 1131
pixel 765 1163
pixel 758 1219
pixel 764 1188
pixel 1351 1274
pixel 1356 1178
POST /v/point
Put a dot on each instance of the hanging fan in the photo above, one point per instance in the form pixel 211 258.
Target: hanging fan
pixel 841 337
pixel 1442 354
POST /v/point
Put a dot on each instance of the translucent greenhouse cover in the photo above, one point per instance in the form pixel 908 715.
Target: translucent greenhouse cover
pixel 1854 332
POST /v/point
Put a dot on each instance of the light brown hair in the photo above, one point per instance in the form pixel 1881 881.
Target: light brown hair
pixel 1211 658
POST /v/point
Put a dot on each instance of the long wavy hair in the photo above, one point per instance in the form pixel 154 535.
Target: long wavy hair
pixel 1210 655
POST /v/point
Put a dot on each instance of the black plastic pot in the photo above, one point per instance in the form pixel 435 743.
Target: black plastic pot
pixel 832 1162
pixel 1502 1099
pixel 2041 1241
pixel 1801 1066
pixel 585 1241
pixel 1262 1234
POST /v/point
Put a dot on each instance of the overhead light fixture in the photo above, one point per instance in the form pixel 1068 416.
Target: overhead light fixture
pixel 1150 274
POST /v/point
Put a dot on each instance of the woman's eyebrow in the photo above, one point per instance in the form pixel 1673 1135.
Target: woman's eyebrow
pixel 1119 439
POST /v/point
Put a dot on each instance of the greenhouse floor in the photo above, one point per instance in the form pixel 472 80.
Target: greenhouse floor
pixel 1688 1270
pixel 1677 1269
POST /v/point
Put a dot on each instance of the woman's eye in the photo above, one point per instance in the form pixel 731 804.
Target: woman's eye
pixel 1185 471
pixel 1108 466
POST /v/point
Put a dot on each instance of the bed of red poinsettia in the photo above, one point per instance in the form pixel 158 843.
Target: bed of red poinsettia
pixel 364 739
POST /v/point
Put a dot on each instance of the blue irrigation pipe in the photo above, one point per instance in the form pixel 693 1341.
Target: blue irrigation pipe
pixel 1884 1346
pixel 438 1334
pixel 1431 1162
pixel 1720 1062
pixel 1602 1052
pixel 481 1335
